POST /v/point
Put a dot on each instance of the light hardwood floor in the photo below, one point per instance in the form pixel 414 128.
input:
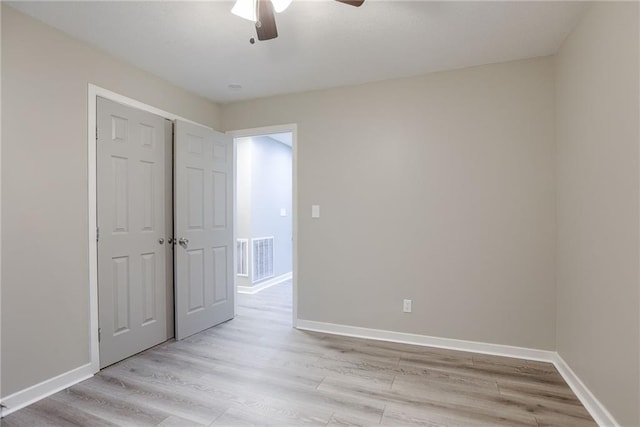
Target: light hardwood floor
pixel 257 370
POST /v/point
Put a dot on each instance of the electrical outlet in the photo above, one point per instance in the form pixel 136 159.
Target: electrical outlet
pixel 406 306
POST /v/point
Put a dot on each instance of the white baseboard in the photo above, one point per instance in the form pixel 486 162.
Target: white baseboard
pixel 597 410
pixel 266 284
pixel 428 341
pixel 32 394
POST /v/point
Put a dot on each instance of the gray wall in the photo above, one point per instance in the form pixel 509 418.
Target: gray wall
pixel 45 291
pixel 598 215
pixel 439 188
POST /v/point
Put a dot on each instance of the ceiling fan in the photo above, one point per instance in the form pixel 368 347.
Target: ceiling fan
pixel 262 13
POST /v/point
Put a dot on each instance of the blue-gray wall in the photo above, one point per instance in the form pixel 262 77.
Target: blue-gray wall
pixel 243 198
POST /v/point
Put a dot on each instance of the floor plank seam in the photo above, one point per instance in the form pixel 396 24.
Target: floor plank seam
pixel 212 423
pixel 320 383
pixel 384 408
pixel 330 419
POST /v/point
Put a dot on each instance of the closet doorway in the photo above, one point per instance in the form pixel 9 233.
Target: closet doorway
pixel 164 229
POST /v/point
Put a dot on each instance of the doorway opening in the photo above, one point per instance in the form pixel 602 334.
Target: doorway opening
pixel 264 244
pixel 265 215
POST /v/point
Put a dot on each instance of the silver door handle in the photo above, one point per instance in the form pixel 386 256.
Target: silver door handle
pixel 183 242
pixel 161 240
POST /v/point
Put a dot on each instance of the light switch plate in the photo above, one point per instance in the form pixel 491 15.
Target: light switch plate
pixel 406 306
pixel 283 211
pixel 315 211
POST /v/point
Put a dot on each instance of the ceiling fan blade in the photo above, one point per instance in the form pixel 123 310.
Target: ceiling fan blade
pixel 266 25
pixel 356 3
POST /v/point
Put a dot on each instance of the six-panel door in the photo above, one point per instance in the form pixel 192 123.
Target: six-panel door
pixel 203 214
pixel 132 244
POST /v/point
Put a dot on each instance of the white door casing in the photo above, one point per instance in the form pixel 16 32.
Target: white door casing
pixel 132 245
pixel 203 217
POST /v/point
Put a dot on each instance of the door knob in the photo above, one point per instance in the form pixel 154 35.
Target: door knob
pixel 183 242
pixel 161 240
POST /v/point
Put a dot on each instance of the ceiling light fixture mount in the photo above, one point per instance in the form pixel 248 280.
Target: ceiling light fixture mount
pixel 261 12
pixel 248 9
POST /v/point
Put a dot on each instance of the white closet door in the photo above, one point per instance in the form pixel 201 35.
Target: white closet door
pixel 203 213
pixel 132 245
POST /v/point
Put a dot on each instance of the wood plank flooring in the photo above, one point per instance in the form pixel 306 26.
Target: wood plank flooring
pixel 257 370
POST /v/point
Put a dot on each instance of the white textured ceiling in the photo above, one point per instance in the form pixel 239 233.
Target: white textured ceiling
pixel 202 47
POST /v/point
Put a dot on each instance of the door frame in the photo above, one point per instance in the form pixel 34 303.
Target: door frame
pixel 93 92
pixel 266 130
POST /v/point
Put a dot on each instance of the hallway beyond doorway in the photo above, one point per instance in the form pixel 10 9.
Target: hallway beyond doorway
pixel 264 210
